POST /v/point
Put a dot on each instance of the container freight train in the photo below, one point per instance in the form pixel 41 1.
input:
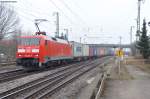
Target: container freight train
pixel 39 51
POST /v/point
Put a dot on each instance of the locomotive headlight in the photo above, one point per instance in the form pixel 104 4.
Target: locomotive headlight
pixel 35 50
pixel 21 50
pixel 37 55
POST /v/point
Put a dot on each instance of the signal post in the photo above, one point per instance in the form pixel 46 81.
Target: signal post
pixel 120 55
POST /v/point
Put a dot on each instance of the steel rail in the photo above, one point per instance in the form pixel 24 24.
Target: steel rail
pixel 65 82
pixel 15 74
pixel 55 77
pixel 13 91
pixel 44 88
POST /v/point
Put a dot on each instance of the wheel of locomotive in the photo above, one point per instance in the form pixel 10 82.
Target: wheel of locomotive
pixel 48 64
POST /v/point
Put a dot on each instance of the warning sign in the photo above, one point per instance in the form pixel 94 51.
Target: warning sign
pixel 119 53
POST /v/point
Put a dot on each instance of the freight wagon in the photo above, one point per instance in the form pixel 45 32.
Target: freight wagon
pixel 85 51
pixel 95 51
pixel 98 51
pixel 80 51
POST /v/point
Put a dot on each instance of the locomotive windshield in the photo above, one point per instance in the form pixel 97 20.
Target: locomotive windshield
pixel 29 41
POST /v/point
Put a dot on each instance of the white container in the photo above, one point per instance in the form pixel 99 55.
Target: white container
pixel 85 50
pixel 77 49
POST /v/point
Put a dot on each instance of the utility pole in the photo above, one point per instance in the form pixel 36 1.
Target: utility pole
pixel 131 30
pixel 131 45
pixel 120 38
pixel 66 33
pixel 57 24
pixel 138 20
pixel 85 36
pixel 131 35
pixel 138 23
pixel 80 39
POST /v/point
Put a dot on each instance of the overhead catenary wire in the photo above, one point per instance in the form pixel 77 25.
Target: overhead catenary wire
pixel 29 15
pixel 22 15
pixel 67 17
pixel 71 11
pixel 78 7
pixel 38 11
pixel 32 20
pixel 26 14
pixel 34 14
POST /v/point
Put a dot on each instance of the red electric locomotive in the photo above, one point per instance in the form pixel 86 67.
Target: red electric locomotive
pixel 40 50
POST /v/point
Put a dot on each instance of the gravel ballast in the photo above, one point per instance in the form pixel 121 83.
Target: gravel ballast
pixel 74 89
pixel 18 82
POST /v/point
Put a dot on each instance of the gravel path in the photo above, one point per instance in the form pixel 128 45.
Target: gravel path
pixel 133 84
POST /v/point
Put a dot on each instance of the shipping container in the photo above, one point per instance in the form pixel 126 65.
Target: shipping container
pixel 85 50
pixel 77 49
pixel 92 51
pixel 102 51
pixel 110 51
pixel 95 51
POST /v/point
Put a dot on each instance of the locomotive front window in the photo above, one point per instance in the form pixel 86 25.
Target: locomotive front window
pixel 29 41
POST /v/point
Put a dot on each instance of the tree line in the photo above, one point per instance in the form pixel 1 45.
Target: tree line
pixel 143 44
pixel 9 30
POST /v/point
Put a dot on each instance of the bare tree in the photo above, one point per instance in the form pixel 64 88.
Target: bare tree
pixel 9 21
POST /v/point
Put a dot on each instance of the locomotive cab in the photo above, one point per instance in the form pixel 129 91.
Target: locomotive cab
pixel 28 51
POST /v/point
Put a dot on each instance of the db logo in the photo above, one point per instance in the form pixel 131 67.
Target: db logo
pixel 28 50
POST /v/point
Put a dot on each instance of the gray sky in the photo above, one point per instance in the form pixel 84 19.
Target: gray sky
pixel 94 18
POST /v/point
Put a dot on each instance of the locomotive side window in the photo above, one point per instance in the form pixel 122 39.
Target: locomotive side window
pixel 29 41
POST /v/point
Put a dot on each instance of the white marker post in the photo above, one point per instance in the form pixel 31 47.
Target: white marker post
pixel 119 55
pixel 119 65
pixel 119 59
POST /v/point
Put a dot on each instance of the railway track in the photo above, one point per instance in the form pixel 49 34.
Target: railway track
pixel 47 85
pixel 6 63
pixel 52 73
pixel 19 73
pixel 16 74
pixel 10 75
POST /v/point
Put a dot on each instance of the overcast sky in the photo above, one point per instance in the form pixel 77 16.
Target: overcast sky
pixel 105 19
